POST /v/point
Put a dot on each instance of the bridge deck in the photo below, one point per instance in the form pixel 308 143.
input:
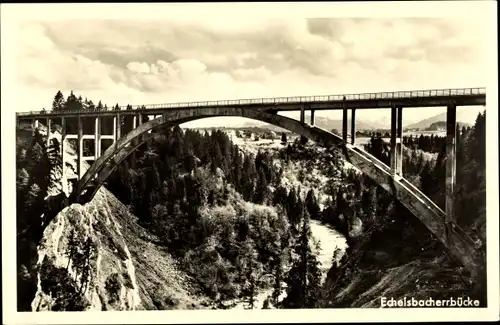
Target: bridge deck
pixel 415 98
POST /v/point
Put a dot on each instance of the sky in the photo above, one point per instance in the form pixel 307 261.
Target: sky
pixel 209 57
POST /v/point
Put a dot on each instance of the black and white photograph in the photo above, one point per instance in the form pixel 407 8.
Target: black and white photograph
pixel 233 157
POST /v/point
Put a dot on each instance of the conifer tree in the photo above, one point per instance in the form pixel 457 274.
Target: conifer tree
pixel 304 277
pixel 312 205
pixel 278 281
pixel 58 102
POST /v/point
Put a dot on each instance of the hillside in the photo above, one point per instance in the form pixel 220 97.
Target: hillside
pixel 320 121
pixel 439 118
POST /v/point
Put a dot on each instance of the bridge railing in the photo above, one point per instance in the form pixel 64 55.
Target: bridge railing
pixel 303 99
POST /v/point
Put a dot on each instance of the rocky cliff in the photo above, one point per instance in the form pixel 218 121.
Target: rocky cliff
pixel 97 257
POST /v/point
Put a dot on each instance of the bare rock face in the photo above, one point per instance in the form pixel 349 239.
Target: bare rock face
pixel 96 257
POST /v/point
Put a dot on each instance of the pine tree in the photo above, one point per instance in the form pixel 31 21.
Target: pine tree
pixel 33 197
pixel 304 277
pixel 262 192
pixel 278 281
pixel 73 245
pixel 72 103
pixel 237 170
pixel 22 180
pixel 91 106
pixel 280 195
pixel 283 138
pixel 88 250
pixel 249 175
pixel 54 153
pixel 312 205
pixel 58 102
pixel 370 205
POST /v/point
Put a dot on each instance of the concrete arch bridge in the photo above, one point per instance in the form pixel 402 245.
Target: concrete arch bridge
pixel 439 222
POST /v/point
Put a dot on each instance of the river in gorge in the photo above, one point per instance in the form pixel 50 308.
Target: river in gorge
pixel 329 240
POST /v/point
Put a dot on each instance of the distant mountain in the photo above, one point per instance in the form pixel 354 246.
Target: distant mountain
pixel 434 120
pixel 320 121
pixel 258 126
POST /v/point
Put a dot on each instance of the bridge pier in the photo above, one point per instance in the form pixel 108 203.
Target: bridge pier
pixel 344 123
pixel 399 142
pixel 451 162
pixel 396 140
pixel 64 182
pixel 302 114
pixel 97 138
pixel 139 122
pixel 117 127
pixel 80 149
pixel 48 132
pixel 312 117
pixel 353 126
pixel 34 126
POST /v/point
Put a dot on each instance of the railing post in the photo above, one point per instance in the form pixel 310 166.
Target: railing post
pixel 394 115
pixel 312 117
pixel 63 167
pixel 399 142
pixel 97 138
pixel 451 126
pixel 344 123
pixel 80 149
pixel 302 114
pixel 48 133
pixel 353 126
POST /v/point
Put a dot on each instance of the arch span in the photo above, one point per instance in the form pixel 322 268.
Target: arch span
pixel 433 217
pixel 183 116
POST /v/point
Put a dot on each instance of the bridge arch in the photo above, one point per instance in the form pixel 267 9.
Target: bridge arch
pixel 433 217
pixel 123 147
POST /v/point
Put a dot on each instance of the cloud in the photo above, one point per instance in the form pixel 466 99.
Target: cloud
pixel 137 67
pixel 163 61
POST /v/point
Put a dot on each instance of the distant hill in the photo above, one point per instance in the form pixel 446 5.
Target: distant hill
pixel 320 121
pixel 437 126
pixel 329 124
pixel 436 120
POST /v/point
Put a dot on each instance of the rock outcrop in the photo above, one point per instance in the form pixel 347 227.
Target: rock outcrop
pixel 96 257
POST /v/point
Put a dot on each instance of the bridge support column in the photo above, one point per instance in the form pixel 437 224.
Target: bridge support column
pixel 139 122
pixel 312 117
pixel 34 126
pixel 344 123
pixel 64 182
pixel 97 138
pixel 79 165
pixel 396 140
pixel 118 126
pixel 302 114
pixel 134 142
pixel 451 162
pixel 353 126
pixel 48 132
pixel 399 142
pixel 394 115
